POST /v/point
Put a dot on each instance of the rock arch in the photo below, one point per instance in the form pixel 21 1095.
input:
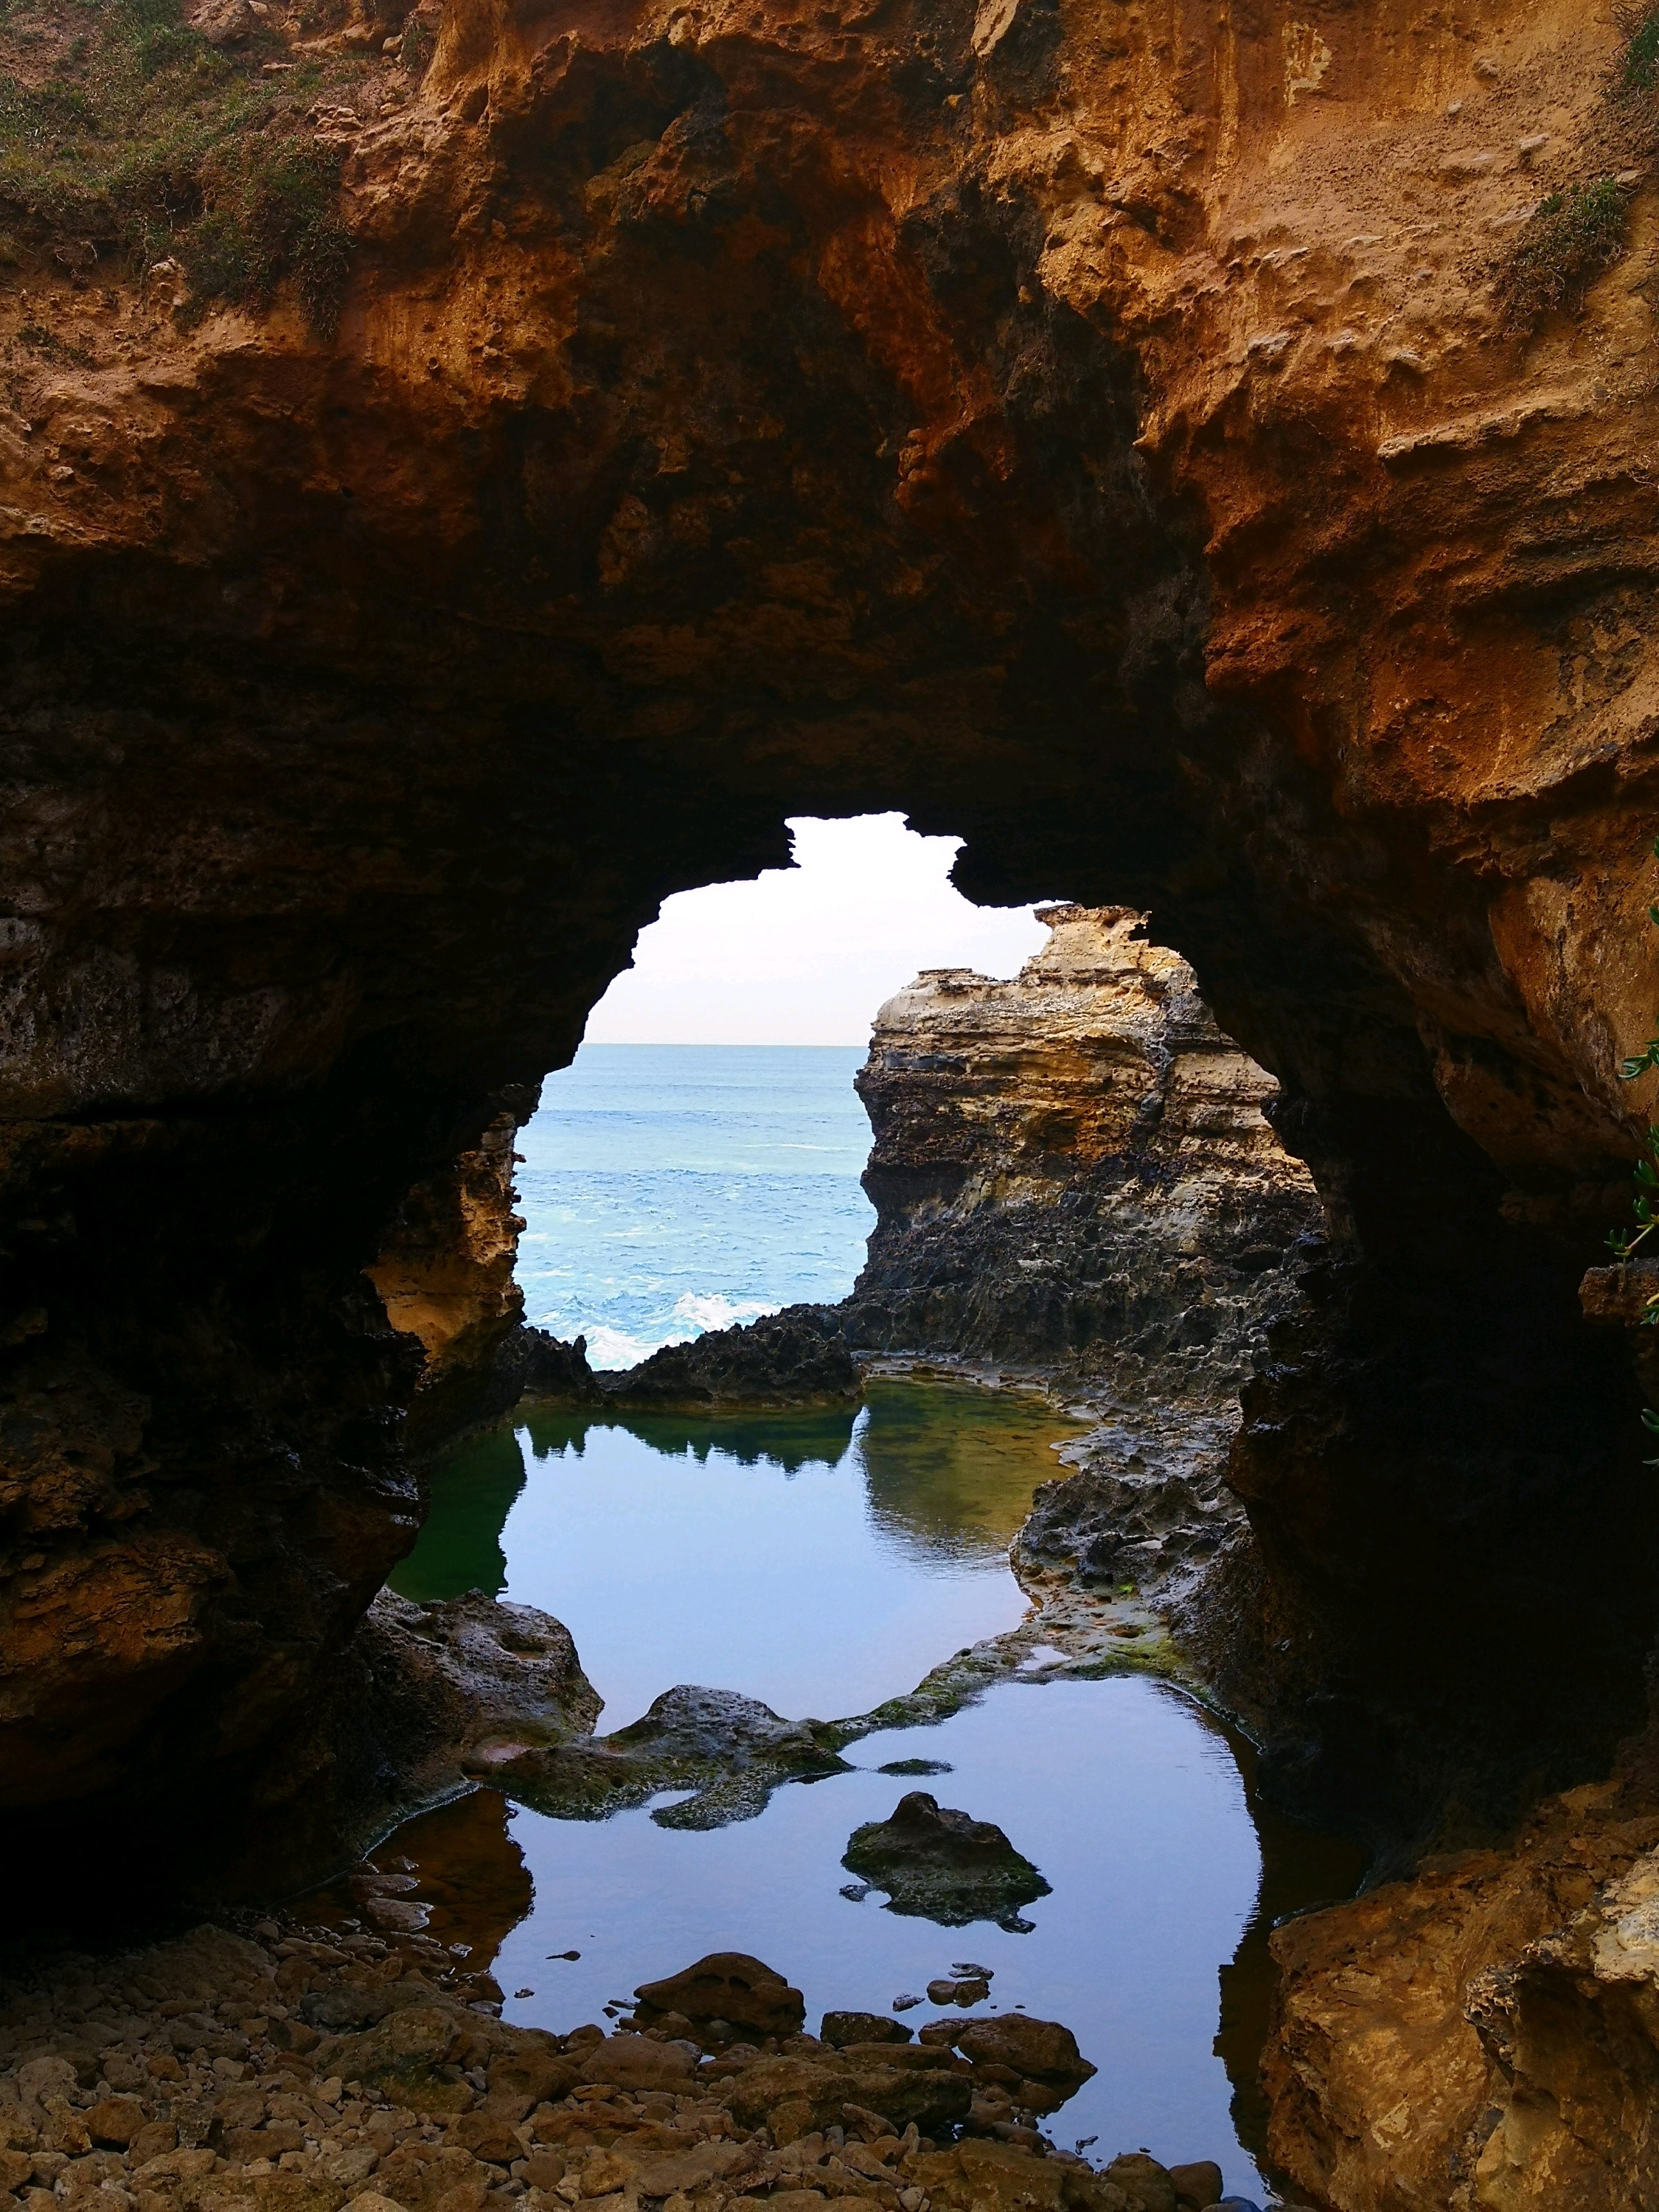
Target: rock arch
pixel 1041 425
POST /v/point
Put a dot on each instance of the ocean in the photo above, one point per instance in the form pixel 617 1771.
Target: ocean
pixel 669 1189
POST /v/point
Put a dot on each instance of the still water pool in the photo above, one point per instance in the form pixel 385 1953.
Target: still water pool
pixel 821 1563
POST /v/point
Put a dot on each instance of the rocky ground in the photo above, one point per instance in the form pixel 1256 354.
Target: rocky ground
pixel 304 2069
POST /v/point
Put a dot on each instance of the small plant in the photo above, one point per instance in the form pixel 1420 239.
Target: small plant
pixel 140 138
pixel 1639 69
pixel 1568 240
pixel 270 219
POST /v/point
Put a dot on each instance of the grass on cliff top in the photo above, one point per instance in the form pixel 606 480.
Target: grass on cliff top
pixel 124 132
pixel 1638 67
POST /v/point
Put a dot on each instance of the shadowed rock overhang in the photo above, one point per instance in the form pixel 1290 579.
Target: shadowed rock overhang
pixel 1097 435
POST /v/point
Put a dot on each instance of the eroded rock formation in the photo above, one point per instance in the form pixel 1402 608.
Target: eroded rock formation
pixel 1482 2039
pixel 445 1276
pixel 1100 435
pixel 1075 1164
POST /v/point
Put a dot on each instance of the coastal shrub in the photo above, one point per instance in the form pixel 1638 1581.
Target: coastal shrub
pixel 134 134
pixel 1566 242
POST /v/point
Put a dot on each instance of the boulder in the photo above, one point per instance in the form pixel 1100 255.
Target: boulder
pixel 639 2062
pixel 1197 2184
pixel 793 2096
pixel 942 1864
pixel 727 1985
pixel 840 2028
pixel 1036 2050
pixel 1145 2183
pixel 730 1751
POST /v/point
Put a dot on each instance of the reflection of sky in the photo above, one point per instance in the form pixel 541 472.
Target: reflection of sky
pixel 702 1569
pixel 820 1562
pixel 1122 1791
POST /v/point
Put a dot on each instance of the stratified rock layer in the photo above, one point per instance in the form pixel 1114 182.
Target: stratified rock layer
pixel 1485 2036
pixel 1075 1163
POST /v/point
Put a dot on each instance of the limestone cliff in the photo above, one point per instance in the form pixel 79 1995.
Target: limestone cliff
pixel 1076 1164
pixel 446 1278
pixel 1073 1170
pixel 1114 437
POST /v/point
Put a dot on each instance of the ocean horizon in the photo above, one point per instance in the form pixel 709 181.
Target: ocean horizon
pixel 671 1189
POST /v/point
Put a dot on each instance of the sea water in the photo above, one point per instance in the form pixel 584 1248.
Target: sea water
pixel 668 1189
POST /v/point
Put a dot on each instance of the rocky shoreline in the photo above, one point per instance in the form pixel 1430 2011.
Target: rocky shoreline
pixel 307 2068
pixel 1079 1191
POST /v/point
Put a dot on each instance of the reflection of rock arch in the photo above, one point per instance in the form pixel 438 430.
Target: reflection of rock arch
pixel 810 419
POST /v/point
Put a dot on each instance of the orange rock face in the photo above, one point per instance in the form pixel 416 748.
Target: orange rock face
pixel 1098 431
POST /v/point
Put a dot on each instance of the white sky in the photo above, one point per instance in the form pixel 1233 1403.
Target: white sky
pixel 806 955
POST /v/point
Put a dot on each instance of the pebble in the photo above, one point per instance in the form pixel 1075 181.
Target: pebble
pixel 174 2075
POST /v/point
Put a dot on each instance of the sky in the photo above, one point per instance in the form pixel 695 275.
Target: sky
pixel 806 955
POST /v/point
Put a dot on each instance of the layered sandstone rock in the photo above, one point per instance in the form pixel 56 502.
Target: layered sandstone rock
pixel 1482 2038
pixel 446 1279
pixel 1076 1163
pixel 1074 1169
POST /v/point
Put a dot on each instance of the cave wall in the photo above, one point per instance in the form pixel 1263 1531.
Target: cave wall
pixel 1093 432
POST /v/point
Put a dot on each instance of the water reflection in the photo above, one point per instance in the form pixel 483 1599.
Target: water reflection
pixel 1129 1794
pixel 820 1561
pixel 823 1562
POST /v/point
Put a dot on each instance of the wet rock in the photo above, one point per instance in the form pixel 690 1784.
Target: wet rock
pixel 727 1985
pixel 943 1865
pixel 790 1359
pixel 422 1696
pixel 1197 2184
pixel 968 1990
pixel 1038 2049
pixel 843 2028
pixel 730 1751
